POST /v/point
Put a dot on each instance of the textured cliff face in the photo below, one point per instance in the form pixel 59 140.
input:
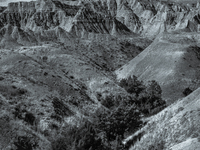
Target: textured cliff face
pixel 46 14
pixel 153 17
pixel 84 19
pixel 40 20
pixel 88 18
pixel 88 22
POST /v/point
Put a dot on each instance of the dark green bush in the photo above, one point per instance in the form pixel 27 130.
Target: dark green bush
pixel 29 118
pixel 148 98
pixel 108 101
pixel 187 91
pixel 119 120
pixel 25 143
pixel 83 137
pixel 132 85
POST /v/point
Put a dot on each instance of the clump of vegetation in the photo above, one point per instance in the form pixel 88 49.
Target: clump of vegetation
pixel 132 85
pixel 29 118
pixel 107 101
pixel 25 143
pixel 21 113
pixel 148 98
pixel 119 120
pixel 150 101
pixel 12 91
pixel 44 58
pixel 84 137
pixel 60 108
pixel 187 91
pixel 158 145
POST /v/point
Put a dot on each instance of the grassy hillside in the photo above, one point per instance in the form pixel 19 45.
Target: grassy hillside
pixel 172 60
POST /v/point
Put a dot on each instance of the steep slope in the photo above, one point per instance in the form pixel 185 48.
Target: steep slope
pixel 176 127
pixel 172 60
pixel 36 82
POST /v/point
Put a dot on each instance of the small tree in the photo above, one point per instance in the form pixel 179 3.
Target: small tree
pixel 132 85
pixel 118 121
pixel 154 89
pixel 150 100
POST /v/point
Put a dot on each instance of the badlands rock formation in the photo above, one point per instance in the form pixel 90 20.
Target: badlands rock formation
pixel 106 17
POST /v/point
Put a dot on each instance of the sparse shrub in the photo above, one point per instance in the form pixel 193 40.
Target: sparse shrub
pixel 45 73
pixel 187 91
pixel 29 118
pixel 8 90
pixel 159 144
pixel 74 101
pixel 108 101
pixel 180 109
pixel 22 91
pixel 60 108
pixel 54 126
pixel 25 143
pixel 195 135
pixel 1 78
pixel 57 117
pixel 125 43
pixel 17 112
pixel 44 58
pixel 199 138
